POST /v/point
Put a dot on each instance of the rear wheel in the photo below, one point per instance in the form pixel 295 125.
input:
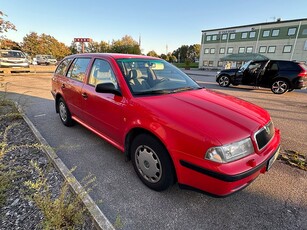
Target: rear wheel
pixel 279 87
pixel 224 81
pixel 64 113
pixel 152 162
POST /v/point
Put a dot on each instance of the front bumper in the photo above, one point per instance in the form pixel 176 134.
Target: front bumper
pixel 224 182
pixel 14 65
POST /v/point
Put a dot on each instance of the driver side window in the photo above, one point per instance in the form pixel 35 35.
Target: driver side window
pixel 102 72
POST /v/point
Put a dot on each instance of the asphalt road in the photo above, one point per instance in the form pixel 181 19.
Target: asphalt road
pixel 276 200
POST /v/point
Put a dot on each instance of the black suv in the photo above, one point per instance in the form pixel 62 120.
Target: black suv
pixel 280 76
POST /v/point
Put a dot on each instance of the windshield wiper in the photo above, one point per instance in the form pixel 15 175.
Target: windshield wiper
pixel 185 89
pixel 153 92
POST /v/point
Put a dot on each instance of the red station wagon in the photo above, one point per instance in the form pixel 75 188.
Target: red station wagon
pixel 172 129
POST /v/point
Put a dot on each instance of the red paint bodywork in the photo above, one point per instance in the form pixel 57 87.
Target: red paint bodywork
pixel 187 123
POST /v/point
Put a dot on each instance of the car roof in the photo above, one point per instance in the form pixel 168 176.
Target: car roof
pixel 113 55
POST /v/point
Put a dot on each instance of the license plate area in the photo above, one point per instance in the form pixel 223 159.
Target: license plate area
pixel 272 159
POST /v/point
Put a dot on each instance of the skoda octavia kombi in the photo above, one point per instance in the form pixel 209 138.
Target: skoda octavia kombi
pixel 172 129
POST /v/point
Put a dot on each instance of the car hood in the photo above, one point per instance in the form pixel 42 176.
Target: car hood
pixel 210 114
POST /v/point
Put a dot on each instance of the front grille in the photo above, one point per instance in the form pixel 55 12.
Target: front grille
pixel 264 135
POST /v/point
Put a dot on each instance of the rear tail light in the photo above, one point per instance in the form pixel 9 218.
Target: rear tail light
pixel 303 73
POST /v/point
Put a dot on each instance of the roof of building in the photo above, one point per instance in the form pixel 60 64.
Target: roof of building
pixel 257 24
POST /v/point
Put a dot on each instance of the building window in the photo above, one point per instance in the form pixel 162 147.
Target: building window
pixel 230 50
pixel 214 37
pixel 271 49
pixel 249 49
pixel 244 35
pixel 241 50
pixel 291 31
pixel 304 32
pixel 287 49
pixel 262 49
pixel 275 33
pixel 208 38
pixel 205 62
pixel 232 36
pixel 222 50
pixel 210 63
pixel 266 33
pixel 212 50
pixel 207 50
pixel 220 64
pixel 224 37
pixel 252 34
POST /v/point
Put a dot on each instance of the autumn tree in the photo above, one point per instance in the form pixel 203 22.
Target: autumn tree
pixel 9 44
pixel 34 44
pixel 152 53
pixel 5 25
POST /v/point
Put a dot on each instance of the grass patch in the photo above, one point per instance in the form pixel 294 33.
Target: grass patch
pixel 294 159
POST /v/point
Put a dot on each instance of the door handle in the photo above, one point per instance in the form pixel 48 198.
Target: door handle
pixel 84 95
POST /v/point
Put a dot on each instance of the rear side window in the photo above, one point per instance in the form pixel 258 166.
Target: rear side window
pixel 78 69
pixel 62 68
pixel 288 65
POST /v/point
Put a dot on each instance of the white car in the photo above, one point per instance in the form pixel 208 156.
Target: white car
pixel 13 58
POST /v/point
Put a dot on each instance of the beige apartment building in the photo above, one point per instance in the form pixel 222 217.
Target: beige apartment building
pixel 282 40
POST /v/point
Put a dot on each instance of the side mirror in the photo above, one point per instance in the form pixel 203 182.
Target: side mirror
pixel 107 88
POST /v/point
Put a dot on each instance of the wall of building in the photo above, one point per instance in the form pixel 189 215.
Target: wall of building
pixel 284 40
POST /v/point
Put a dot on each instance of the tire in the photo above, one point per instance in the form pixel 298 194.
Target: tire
pixel 279 87
pixel 64 113
pixel 152 162
pixel 224 81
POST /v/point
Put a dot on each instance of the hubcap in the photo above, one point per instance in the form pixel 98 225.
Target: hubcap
pixel 148 164
pixel 224 81
pixel 63 112
pixel 279 87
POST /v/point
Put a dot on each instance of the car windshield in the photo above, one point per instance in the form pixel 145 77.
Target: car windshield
pixel 152 77
pixel 12 54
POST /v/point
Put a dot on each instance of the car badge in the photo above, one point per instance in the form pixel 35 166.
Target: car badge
pixel 267 129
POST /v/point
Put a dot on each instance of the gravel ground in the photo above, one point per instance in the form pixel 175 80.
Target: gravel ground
pixel 19 212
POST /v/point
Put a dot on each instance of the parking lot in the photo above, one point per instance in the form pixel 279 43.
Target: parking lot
pixel 276 200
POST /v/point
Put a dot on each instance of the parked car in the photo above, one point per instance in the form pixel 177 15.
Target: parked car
pixel 280 76
pixel 13 58
pixel 45 60
pixel 171 128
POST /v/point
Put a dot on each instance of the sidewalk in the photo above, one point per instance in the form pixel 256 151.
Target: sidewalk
pixel 206 73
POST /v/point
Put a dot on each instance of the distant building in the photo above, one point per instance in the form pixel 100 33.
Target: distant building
pixel 283 40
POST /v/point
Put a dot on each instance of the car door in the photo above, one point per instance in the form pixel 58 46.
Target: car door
pixel 72 86
pixel 269 73
pixel 103 111
pixel 239 75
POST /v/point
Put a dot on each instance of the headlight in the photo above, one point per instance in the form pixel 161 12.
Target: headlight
pixel 231 152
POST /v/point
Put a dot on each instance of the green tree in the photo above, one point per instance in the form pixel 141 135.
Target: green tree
pixel 125 45
pixel 185 51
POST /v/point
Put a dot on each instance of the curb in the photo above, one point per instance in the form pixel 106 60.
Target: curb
pixel 100 220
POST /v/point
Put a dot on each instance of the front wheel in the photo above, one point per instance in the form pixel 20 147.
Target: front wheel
pixel 152 162
pixel 224 81
pixel 279 87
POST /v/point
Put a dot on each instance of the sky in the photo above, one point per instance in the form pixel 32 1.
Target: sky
pixel 162 25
